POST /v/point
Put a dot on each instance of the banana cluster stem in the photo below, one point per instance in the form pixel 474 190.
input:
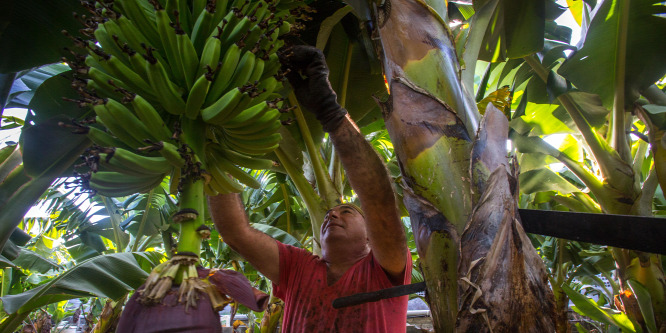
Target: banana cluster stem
pixel 191 199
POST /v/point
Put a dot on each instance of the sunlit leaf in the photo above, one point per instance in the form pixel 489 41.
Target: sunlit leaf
pixel 588 307
pixel 644 303
pixel 544 180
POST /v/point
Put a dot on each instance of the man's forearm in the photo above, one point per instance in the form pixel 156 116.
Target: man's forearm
pixel 365 170
pixel 259 249
pixel 228 215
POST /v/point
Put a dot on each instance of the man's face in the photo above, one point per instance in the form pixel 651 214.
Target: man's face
pixel 343 223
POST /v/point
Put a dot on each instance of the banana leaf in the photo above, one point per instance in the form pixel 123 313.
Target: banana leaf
pixel 594 69
pixel 112 276
pixel 26 83
pixel 32 261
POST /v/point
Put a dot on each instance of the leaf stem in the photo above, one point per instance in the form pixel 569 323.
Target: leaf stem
pixel 144 218
pixel 618 125
pixel 115 224
pixel 600 150
pixel 324 184
pixel 313 202
pixel 287 206
pixel 345 78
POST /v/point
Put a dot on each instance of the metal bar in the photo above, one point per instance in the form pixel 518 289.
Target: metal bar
pixel 641 233
pixel 378 295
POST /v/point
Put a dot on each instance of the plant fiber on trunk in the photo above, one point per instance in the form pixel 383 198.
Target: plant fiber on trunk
pixel 504 286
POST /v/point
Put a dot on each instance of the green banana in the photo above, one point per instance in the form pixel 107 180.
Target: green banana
pixel 220 11
pixel 198 7
pixel 217 113
pixel 243 70
pixel 184 16
pixel 142 15
pixel 284 28
pixel 134 37
pixel 129 77
pixel 256 147
pixel 197 97
pixel 271 67
pixel 255 132
pixel 225 72
pixel 257 70
pixel 223 184
pixel 240 29
pixel 266 88
pixel 151 118
pixel 118 130
pixel 134 162
pixel 188 57
pixel 131 123
pixel 210 56
pixel 138 63
pixel 164 88
pixel 268 123
pixel 248 115
pixel 115 184
pixel 229 22
pixel 272 41
pixel 102 80
pixel 202 27
pixel 170 152
pixel 109 45
pixel 169 45
pixel 113 178
pixel 103 139
pixel 260 11
pixel 93 61
pixel 209 190
pixel 102 91
pixel 242 176
pixel 220 181
pixel 253 36
pixel 246 161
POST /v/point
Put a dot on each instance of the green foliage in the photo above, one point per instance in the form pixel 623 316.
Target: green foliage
pixel 590 308
pixel 643 64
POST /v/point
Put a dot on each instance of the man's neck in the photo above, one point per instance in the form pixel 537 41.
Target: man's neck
pixel 340 259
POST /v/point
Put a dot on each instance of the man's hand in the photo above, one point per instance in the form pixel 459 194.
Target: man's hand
pixel 308 75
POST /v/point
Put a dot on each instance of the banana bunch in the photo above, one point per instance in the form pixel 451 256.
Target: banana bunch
pixel 185 88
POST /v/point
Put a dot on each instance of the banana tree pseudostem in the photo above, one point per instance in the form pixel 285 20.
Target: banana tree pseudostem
pixel 481 271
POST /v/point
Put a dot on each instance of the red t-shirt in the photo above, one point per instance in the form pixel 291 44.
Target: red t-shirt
pixel 308 297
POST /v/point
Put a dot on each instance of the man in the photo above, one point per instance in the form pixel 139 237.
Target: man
pixel 362 251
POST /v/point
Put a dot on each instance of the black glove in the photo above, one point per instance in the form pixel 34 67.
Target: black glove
pixel 308 75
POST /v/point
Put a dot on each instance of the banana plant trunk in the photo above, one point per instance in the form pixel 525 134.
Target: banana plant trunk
pixel 481 271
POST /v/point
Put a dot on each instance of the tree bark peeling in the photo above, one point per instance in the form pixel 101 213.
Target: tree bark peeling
pixel 507 289
pixel 489 150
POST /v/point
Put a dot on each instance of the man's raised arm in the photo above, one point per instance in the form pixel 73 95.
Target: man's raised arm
pixel 256 247
pixel 365 170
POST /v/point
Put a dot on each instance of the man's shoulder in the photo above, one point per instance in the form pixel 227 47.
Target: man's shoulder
pixel 293 251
